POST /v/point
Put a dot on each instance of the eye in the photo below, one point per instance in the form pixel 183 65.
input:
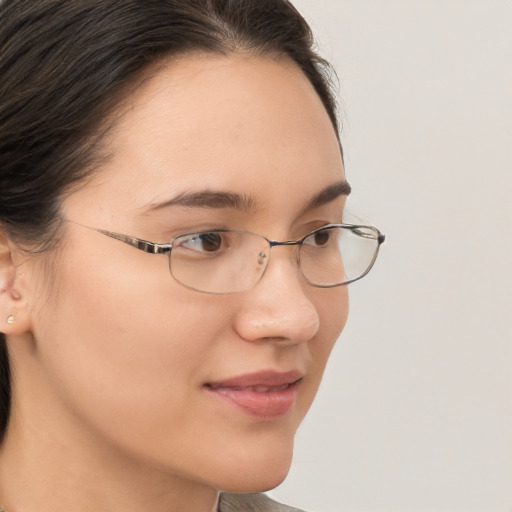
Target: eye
pixel 208 242
pixel 319 238
pixel 322 237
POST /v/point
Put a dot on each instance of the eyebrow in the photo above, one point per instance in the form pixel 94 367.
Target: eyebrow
pixel 208 199
pixel 220 199
pixel 328 194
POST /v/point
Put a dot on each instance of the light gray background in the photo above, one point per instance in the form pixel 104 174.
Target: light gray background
pixel 415 411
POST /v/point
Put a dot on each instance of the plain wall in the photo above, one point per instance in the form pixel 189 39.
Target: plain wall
pixel 415 411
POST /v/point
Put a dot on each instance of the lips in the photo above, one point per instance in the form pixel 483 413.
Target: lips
pixel 263 395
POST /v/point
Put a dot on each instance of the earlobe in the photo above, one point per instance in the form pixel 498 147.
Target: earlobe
pixel 13 318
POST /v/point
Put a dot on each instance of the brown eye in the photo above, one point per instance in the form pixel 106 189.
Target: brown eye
pixel 321 238
pixel 210 242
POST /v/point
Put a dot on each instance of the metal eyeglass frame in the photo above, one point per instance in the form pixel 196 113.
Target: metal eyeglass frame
pixel 156 248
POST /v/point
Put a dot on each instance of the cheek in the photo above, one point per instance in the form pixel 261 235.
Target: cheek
pixel 123 341
pixel 333 306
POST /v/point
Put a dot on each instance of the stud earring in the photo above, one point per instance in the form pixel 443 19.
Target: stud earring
pixel 10 319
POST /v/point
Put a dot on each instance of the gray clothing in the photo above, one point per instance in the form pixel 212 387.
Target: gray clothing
pixel 251 503
pixel 248 503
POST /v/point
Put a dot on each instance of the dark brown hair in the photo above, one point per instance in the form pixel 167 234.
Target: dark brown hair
pixel 65 66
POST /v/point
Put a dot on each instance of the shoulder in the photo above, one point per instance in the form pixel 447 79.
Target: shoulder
pixel 251 503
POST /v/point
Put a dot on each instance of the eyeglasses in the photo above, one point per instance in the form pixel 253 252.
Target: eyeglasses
pixel 224 261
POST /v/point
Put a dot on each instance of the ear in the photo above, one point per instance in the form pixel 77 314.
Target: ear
pixel 14 317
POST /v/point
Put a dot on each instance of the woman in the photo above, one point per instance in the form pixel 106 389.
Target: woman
pixel 152 379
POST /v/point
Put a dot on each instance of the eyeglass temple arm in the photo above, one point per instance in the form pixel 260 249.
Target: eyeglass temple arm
pixel 359 230
pixel 143 245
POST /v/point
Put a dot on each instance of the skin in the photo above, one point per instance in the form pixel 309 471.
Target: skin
pixel 111 354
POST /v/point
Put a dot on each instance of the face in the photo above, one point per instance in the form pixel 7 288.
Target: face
pixel 209 388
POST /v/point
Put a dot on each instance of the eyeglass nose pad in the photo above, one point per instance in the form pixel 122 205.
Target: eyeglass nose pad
pixel 263 259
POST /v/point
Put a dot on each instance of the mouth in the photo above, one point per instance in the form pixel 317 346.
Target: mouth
pixel 263 395
pixel 254 389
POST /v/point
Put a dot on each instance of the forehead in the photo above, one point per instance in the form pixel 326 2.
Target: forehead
pixel 253 125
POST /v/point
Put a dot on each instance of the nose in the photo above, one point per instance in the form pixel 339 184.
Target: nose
pixel 278 308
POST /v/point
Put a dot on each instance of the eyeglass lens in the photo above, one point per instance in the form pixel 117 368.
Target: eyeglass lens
pixel 233 261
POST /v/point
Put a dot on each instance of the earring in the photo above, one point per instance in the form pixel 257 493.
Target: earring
pixel 10 319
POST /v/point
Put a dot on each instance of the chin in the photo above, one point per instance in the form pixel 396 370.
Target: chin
pixel 253 482
pixel 257 475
